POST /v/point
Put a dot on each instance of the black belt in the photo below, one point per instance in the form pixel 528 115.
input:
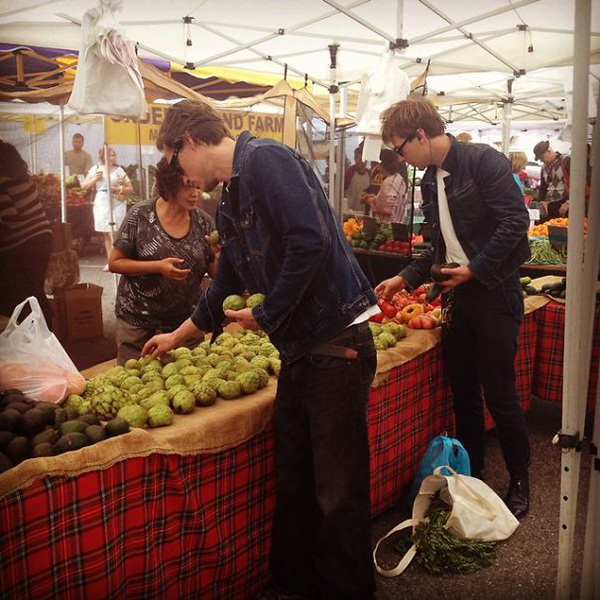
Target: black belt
pixel 331 349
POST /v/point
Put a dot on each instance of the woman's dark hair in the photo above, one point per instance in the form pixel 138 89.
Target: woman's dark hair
pixel 391 162
pixel 11 163
pixel 168 180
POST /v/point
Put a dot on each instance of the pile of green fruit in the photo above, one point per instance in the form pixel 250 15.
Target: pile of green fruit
pixel 148 391
pixel 235 302
pixel 556 290
pixel 528 289
pixel 30 429
pixel 387 335
pixel 369 241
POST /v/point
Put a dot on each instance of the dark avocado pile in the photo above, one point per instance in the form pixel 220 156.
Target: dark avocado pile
pixel 29 429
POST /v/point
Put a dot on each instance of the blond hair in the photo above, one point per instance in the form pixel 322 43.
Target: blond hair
pixel 464 137
pixel 405 117
pixel 518 160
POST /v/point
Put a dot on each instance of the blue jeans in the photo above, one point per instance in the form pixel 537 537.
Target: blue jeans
pixel 322 525
pixel 479 346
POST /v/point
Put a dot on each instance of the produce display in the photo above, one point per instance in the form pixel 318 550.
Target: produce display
pixel 542 253
pixel 411 309
pixel 147 392
pixel 541 230
pixel 30 429
pixel 381 241
pixel 48 187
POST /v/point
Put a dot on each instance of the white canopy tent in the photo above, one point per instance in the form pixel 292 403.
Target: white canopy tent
pixel 513 54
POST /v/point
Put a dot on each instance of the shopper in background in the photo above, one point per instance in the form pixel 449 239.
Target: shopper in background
pixel 162 254
pixel 518 162
pixel 464 137
pixel 356 180
pixel 78 160
pixel 479 221
pixel 388 206
pixel 280 237
pixel 120 187
pixel 554 183
pixel 25 236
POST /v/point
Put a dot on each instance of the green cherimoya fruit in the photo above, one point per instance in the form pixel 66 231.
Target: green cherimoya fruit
pixel 263 377
pixel 189 370
pixel 183 362
pixel 73 426
pixel 150 375
pixel 397 330
pixel 189 379
pixel 247 354
pixel 71 441
pixel 184 402
pixel 205 345
pixel 152 365
pixel 134 414
pixel 182 352
pixel 132 363
pixel 173 381
pixel 213 238
pixel 136 389
pixel 240 364
pixel 201 363
pixel 129 382
pixel 231 375
pixel 388 339
pixel 250 338
pixel 134 372
pixel 230 343
pixel 85 408
pixel 223 337
pixel 214 382
pixel 204 394
pixel 254 300
pixel 212 373
pixel 249 382
pixel 215 349
pixel 154 400
pixel 170 369
pixel 95 433
pixel 117 375
pixel 261 362
pixel 199 352
pixel 375 328
pixel 275 365
pixel 213 359
pixel 230 390
pixel 234 302
pixel 175 390
pixel 167 358
pixel 74 400
pixel 379 344
pixel 116 426
pixel 160 416
pixel 155 384
pixel 238 349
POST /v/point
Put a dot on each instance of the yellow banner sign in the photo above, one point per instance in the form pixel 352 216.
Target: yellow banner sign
pixel 125 131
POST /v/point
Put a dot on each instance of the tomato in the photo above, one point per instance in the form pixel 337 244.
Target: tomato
pixel 428 322
pixel 382 248
pixel 415 323
pixel 388 309
pixel 376 318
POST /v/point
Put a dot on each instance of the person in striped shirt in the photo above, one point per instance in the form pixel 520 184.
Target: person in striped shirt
pixel 25 236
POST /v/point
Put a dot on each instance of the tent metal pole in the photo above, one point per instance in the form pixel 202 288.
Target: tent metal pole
pixel 360 20
pixel 574 389
pixel 61 143
pixel 590 577
pixel 333 167
pixel 507 116
pixel 141 173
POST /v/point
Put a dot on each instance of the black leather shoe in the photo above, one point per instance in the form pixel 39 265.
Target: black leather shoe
pixel 517 497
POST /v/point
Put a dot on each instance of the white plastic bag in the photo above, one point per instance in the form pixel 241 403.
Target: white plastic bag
pixel 107 80
pixel 478 513
pixel 33 360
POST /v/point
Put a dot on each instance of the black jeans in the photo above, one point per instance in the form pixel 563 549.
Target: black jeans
pixel 322 524
pixel 479 346
pixel 23 273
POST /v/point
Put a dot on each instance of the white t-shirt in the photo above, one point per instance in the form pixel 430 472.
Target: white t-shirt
pixel 454 251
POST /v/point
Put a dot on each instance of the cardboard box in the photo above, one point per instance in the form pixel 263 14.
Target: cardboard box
pixel 80 309
pixel 62 238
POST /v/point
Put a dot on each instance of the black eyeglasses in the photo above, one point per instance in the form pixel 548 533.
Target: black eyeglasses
pixel 174 162
pixel 400 148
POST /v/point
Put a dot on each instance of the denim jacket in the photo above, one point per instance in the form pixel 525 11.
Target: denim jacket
pixel 280 237
pixel 487 210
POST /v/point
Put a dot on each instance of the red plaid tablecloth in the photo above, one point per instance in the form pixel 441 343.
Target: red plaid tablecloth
pixel 524 365
pixel 170 526
pixel 548 372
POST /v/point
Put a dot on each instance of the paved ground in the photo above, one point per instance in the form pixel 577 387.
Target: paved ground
pixel 527 563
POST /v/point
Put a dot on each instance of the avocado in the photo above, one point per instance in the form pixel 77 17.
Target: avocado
pixel 22 407
pixel 10 420
pixel 18 450
pixel 530 290
pixel 59 417
pixel 116 427
pixel 45 449
pixel 71 413
pixel 48 409
pixel 89 419
pixel 74 425
pixel 5 438
pixel 71 441
pixel 546 286
pixel 48 436
pixel 95 433
pixel 34 421
pixel 10 397
pixel 5 463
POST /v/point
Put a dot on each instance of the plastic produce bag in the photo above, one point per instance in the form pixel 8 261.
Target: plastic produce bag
pixel 107 80
pixel 441 451
pixel 33 360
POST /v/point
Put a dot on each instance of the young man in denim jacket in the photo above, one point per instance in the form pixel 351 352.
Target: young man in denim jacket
pixel 280 237
pixel 478 221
